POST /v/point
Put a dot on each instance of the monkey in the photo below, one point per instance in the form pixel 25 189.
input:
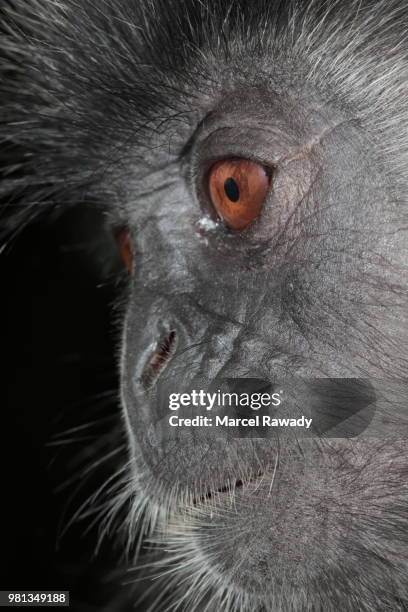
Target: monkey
pixel 252 157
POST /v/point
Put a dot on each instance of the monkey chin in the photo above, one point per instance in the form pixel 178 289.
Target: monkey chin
pixel 317 525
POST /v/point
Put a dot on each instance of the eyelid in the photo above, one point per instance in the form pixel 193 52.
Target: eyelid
pixel 259 146
pixel 233 142
pixel 251 143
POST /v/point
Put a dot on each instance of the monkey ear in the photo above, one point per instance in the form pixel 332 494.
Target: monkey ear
pixel 124 241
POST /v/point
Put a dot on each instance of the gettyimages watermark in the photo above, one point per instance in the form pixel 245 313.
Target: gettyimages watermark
pixel 258 408
pixel 219 401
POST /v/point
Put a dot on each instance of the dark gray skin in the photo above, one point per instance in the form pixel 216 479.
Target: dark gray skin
pixel 285 298
pixel 315 287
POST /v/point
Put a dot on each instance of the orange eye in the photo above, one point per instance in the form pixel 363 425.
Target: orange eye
pixel 125 248
pixel 238 188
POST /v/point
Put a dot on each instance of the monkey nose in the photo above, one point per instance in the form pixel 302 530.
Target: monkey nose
pixel 158 360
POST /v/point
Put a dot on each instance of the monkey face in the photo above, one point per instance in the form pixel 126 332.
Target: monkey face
pixel 309 288
pixel 256 153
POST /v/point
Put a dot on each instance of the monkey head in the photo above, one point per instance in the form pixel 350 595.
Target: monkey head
pixel 255 154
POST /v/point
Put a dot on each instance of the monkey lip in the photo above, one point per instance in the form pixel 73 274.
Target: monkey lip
pixel 158 360
pixel 228 489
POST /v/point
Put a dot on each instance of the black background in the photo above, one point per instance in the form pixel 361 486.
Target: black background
pixel 58 341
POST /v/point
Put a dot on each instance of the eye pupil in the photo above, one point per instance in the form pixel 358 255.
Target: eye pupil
pixel 238 189
pixel 231 189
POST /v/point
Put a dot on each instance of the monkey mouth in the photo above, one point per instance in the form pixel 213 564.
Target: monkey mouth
pixel 158 360
pixel 228 489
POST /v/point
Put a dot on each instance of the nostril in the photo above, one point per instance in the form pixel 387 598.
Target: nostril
pixel 158 360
